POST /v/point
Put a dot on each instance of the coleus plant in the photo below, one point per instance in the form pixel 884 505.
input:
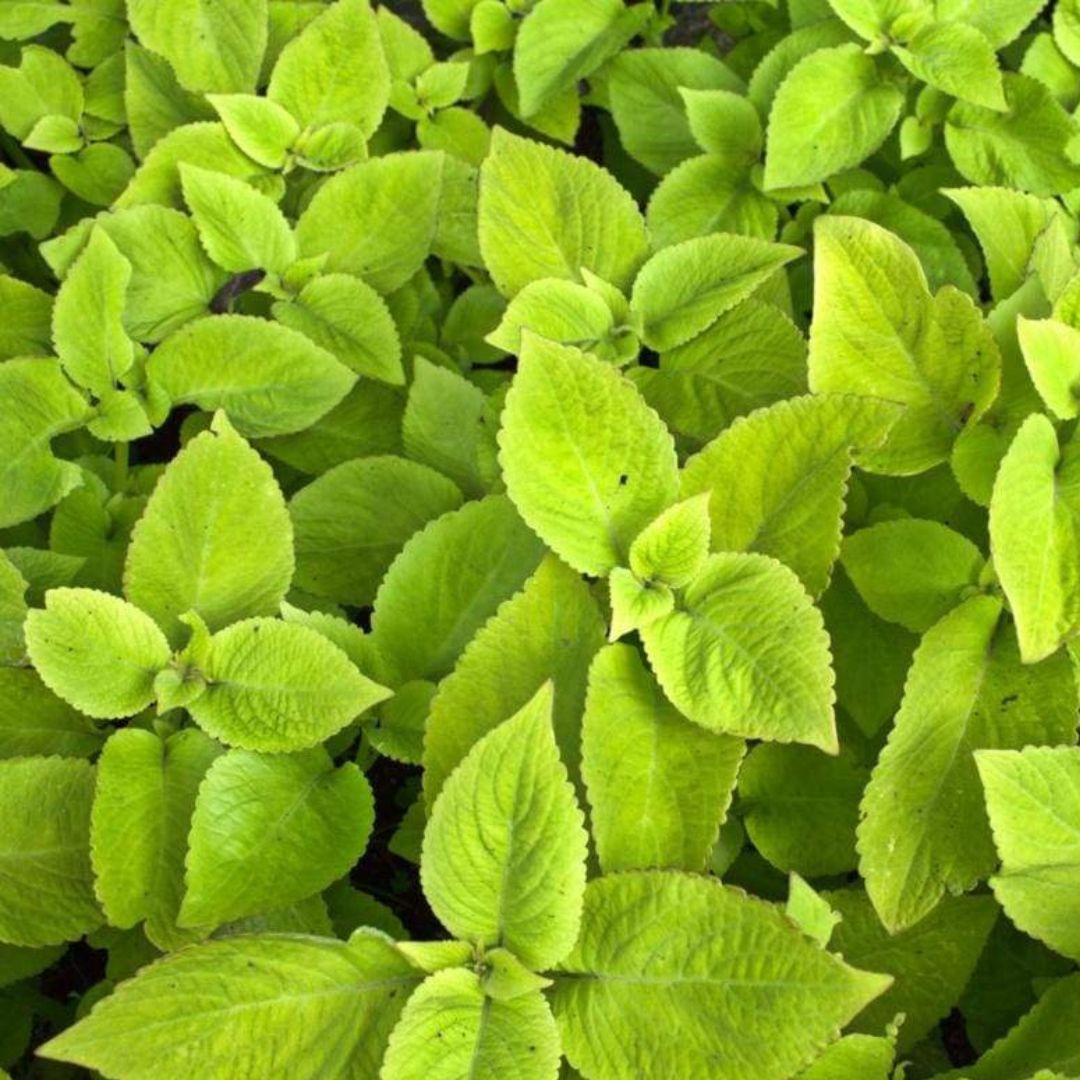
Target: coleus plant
pixel 667 541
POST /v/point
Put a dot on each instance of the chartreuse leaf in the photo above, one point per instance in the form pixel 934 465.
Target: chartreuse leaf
pixel 145 795
pixel 559 310
pixel 911 571
pixel 212 47
pixel 658 785
pixel 96 651
pixel 306 829
pixel 261 1003
pixel 660 952
pixel 834 109
pixel 215 537
pixel 13 609
pixel 924 830
pixel 376 220
pixel 1033 536
pixel 810 912
pixel 277 686
pixel 635 603
pixel 685 288
pixel 778 478
pixel 348 318
pixel 586 461
pixel 88 327
pixel 275 380
pixel 46 884
pixel 747 654
pixel 449 1029
pixel 27 329
pixel 1052 354
pixel 504 849
pixel 353 520
pixel 28 18
pixel 1000 22
pixel 931 963
pixel 38 403
pixel 241 228
pixel 260 127
pixel 504 977
pixel 957 59
pixel 34 721
pixel 444 585
pixel 854 1057
pixel 1033 799
pixel 576 216
pixel 673 547
pixel 550 630
pixel 878 332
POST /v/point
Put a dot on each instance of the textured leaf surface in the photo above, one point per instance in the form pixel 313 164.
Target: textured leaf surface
pixel 34 721
pixel 1052 355
pixel 673 547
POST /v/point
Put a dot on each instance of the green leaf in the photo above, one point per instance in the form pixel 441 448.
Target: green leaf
pixel 450 1029
pixel 958 60
pixel 38 404
pixel 658 785
pixel 43 84
pixel 747 654
pixel 586 461
pixel 145 795
pixel 800 807
pixel 13 608
pixel 833 110
pixel 576 217
pixel 924 830
pixel 504 850
pixel 725 124
pixel 277 380
pixel 230 40
pixel 634 603
pixel 1033 800
pixel 659 952
pixel 215 537
pixel 241 228
pixel 911 571
pixel 810 912
pixel 347 317
pixel 261 128
pixel 444 585
pixel 1001 21
pixel 21 19
pixel 1050 351
pixel 549 630
pixel 1025 147
pixel 334 71
pixel 778 478
pixel 46 884
pixel 352 521
pixel 878 332
pixel 854 1057
pixel 274 686
pixel 306 829
pixel 95 651
pixel 1033 537
pixel 682 290
pixel 27 326
pixel 261 1003
pixel 673 547
pixel 34 721
pixel 560 42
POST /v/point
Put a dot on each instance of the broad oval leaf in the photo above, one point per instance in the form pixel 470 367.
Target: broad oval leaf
pixel 34 721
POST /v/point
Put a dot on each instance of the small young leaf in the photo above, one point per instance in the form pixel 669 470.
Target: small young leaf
pixel 261 128
pixel 673 547
pixel 635 604
pixel 810 912
pixel 1052 354
pixel 958 60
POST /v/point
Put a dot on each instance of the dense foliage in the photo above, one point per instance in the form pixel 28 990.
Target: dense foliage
pixel 472 607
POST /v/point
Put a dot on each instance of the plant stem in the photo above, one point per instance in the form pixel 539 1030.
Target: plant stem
pixel 120 461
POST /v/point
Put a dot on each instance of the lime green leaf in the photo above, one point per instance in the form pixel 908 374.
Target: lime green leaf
pixel 353 520
pixel 275 686
pixel 854 1057
pixel 276 380
pixel 1001 21
pixel 261 128
pixel 673 547
pixel 586 461
pixel 27 326
pixel 660 952
pixel 911 571
pixel 46 884
pixel 958 60
pixel 635 603
pixel 241 228
pixel 1052 355
pixel 1033 537
pixel 21 19
pixel 577 216
pixel 447 581
pixel 747 654
pixel 658 785
pixel 548 631
pixel 504 850
pixel 34 721
pixel 810 912
pixel 95 651
pixel 684 289
pixel 230 40
pixel 1033 799
pixel 801 807
pixel 43 84
pixel 37 403
pixel 878 332
pixel 450 1029
pixel 145 796
pixel 307 828
pixel 778 478
pixel 13 608
pixel 924 830
pixel 832 112
pixel 347 317
pixel 725 124
pixel 558 310
pixel 215 537
pixel 261 1003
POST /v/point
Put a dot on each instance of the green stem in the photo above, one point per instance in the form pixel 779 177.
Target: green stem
pixel 120 462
